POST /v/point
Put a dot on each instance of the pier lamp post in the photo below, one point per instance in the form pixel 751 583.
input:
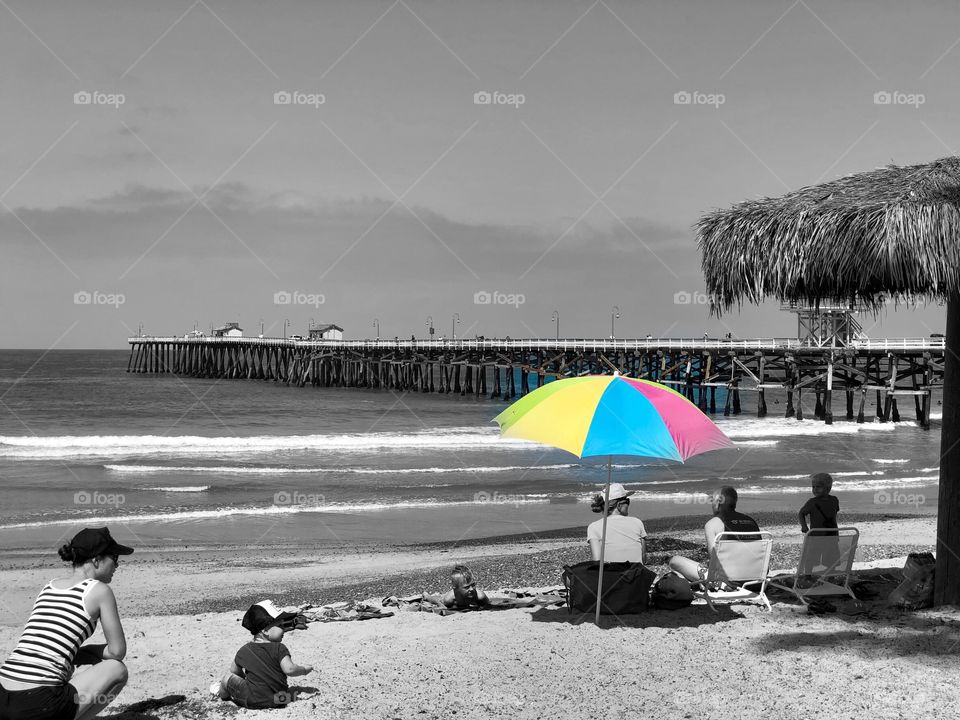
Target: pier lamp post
pixel 376 324
pixel 430 326
pixel 261 327
pixel 140 330
pixel 286 323
pixel 614 314
pixel 454 322
pixel 556 319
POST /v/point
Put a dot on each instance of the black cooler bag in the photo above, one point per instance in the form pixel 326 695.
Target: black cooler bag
pixel 626 587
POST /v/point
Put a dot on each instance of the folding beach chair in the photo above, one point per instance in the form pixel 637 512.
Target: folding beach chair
pixel 826 553
pixel 738 568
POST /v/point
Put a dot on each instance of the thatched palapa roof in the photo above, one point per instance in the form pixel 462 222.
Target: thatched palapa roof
pixel 891 232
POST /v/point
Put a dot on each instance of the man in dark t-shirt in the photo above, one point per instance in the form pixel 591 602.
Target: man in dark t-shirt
pixel 725 519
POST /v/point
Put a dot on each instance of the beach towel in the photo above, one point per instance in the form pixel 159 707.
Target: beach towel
pixel 343 612
pixel 504 599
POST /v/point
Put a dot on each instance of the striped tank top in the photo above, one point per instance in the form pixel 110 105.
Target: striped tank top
pixel 57 627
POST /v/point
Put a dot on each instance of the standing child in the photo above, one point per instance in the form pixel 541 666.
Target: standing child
pixel 258 674
pixel 822 509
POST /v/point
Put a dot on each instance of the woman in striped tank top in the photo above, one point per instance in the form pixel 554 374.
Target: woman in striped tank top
pixel 37 680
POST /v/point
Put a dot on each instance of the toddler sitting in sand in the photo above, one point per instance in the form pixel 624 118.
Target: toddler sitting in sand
pixel 258 674
pixel 464 593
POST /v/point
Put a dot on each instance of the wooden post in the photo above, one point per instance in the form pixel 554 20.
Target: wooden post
pixel 761 397
pixel 828 395
pixel 925 418
pixel 947 578
pixel 863 401
pixel 916 398
pixel 891 402
pixel 704 378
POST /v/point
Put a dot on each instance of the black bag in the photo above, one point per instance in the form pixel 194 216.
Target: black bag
pixel 671 593
pixel 626 587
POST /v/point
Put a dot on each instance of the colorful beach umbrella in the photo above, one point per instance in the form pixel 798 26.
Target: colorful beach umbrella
pixel 612 415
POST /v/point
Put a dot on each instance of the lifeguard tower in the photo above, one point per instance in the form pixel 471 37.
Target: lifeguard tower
pixel 827 325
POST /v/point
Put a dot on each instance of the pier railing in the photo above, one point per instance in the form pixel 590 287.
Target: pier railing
pixel 915 344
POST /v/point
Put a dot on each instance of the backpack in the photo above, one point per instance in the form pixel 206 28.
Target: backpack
pixel 671 592
pixel 626 587
pixel 916 590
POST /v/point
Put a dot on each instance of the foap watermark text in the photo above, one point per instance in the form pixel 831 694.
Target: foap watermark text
pixel 895 97
pixel 499 98
pixel 295 497
pixel 484 297
pixel 83 297
pixel 499 498
pixel 892 497
pixel 693 498
pixel 84 97
pixel 282 297
pixel 91 498
pixel 696 97
pixel 295 97
pixel 690 298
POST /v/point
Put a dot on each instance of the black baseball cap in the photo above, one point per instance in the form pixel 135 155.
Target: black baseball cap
pixel 259 618
pixel 95 542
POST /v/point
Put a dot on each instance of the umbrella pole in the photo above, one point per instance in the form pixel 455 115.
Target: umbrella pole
pixel 603 542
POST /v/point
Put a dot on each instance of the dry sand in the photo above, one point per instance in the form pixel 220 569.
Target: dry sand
pixel 740 662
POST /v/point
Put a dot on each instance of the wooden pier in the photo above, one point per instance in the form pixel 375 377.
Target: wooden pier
pixel 864 372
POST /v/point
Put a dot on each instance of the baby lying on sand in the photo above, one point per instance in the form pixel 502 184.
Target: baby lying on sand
pixel 464 593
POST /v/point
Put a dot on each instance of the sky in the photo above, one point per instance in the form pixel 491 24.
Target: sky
pixel 482 166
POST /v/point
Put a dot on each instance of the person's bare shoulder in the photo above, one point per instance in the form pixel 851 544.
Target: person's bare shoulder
pixel 713 527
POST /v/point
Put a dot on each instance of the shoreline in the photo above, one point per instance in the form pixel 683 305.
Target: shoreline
pixel 230 578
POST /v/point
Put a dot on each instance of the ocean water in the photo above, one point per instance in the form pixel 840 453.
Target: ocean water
pixel 169 462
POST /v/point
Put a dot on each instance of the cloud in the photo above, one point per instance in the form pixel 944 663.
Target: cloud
pixel 367 256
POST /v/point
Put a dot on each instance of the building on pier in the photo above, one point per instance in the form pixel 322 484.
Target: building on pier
pixel 326 331
pixel 231 329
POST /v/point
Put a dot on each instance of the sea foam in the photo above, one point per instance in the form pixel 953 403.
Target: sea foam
pixel 64 446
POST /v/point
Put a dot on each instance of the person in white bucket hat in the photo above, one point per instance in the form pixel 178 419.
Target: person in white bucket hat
pixel 625 535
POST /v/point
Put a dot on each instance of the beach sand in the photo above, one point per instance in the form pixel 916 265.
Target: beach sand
pixel 181 611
